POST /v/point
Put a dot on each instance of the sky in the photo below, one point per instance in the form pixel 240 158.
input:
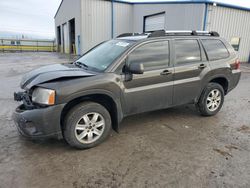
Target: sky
pixel 36 17
pixel 30 17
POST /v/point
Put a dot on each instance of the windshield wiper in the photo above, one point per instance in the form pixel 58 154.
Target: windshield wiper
pixel 81 65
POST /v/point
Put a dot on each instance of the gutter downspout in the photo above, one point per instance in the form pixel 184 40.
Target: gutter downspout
pixel 79 42
pixel 205 17
pixel 112 19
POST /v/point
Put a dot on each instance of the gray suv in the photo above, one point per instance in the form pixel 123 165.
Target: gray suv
pixel 134 73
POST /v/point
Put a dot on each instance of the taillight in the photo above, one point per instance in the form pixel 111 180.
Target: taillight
pixel 237 64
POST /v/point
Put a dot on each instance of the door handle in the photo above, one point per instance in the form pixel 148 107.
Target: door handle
pixel 202 66
pixel 166 72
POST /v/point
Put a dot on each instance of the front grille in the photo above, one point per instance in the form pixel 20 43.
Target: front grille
pixel 25 97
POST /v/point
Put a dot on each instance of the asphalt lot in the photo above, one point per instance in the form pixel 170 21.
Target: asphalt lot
pixel 168 148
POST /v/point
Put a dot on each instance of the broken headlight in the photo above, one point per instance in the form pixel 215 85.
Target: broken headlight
pixel 44 96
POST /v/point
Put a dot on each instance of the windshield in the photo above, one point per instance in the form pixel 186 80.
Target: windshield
pixel 100 57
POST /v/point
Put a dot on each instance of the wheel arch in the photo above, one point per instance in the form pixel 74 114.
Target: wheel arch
pixel 219 79
pixel 223 81
pixel 102 98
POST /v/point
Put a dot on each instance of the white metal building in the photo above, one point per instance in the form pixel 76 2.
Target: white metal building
pixel 81 24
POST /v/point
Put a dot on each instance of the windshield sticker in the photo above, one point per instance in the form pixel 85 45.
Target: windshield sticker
pixel 122 44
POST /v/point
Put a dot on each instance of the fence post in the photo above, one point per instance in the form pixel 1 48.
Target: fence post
pixel 3 45
pixel 20 46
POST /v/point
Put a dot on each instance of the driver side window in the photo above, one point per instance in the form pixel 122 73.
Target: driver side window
pixel 154 55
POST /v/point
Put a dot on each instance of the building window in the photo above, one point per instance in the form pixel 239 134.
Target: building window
pixel 187 51
pixel 12 42
pixel 235 42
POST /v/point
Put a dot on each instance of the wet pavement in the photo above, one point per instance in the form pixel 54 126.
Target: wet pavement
pixel 167 148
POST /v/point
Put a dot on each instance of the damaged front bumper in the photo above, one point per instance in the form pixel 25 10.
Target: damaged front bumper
pixel 37 122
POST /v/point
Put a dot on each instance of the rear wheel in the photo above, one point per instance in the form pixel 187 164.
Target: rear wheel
pixel 87 125
pixel 211 99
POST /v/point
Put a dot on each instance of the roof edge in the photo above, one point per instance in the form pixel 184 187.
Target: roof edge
pixel 229 5
pixel 58 8
pixel 188 2
pixel 177 2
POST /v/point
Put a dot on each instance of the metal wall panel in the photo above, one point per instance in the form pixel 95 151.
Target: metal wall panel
pixel 95 23
pixel 178 16
pixel 123 18
pixel 230 23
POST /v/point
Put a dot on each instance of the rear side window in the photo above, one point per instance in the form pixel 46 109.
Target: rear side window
pixel 215 49
pixel 152 55
pixel 187 51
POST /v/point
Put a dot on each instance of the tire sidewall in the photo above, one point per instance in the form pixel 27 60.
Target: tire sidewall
pixel 203 102
pixel 73 117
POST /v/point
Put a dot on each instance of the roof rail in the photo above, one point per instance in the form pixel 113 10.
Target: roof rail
pixel 214 33
pixel 161 33
pixel 158 33
pixel 129 34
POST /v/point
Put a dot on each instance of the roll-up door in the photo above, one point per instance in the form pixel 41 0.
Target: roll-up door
pixel 154 22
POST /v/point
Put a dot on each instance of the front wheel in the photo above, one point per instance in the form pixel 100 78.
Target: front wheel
pixel 87 125
pixel 211 99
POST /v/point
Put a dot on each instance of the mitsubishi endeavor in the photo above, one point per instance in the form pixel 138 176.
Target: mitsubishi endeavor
pixel 134 73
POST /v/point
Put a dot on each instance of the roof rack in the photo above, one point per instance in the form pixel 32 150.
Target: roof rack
pixel 130 34
pixel 161 33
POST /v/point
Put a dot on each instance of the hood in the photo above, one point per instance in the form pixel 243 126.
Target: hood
pixel 52 72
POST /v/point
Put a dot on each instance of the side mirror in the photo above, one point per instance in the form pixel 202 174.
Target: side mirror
pixel 136 68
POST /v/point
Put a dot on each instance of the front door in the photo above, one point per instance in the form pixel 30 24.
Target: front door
pixel 190 66
pixel 153 89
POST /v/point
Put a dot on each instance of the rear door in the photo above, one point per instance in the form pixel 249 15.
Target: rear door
pixel 153 89
pixel 190 66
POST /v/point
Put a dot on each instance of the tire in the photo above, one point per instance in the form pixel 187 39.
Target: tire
pixel 87 125
pixel 208 99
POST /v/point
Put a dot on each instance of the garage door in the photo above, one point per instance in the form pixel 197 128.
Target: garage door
pixel 65 38
pixel 154 22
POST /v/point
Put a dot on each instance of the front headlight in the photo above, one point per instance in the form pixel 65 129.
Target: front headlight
pixel 44 96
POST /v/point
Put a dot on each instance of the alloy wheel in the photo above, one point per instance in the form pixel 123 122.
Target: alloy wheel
pixel 213 100
pixel 89 127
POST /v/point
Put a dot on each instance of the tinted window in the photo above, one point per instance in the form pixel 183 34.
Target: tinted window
pixel 187 51
pixel 215 49
pixel 152 55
